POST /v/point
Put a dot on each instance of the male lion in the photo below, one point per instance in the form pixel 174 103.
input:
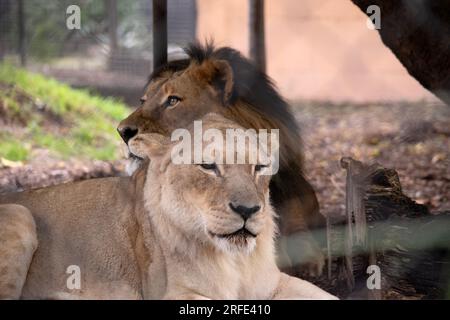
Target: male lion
pixel 205 232
pixel 224 82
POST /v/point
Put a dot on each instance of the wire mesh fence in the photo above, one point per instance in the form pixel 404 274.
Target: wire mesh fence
pixel 114 42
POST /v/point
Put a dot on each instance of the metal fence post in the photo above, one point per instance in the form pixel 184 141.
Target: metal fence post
pixel 159 33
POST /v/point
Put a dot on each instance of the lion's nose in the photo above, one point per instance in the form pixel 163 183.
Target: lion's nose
pixel 127 132
pixel 244 211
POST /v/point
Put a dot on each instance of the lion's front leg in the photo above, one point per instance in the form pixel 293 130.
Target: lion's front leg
pixel 18 240
pixel 291 288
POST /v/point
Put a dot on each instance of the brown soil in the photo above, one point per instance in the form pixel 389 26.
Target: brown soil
pixel 414 139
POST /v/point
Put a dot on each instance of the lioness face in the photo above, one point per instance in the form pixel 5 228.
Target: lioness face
pixel 226 205
pixel 174 99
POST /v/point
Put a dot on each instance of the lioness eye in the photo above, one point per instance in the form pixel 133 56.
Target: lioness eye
pixel 259 167
pixel 209 166
pixel 172 101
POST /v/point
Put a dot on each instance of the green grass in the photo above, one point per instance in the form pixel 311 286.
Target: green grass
pixel 88 122
pixel 13 149
pixel 9 102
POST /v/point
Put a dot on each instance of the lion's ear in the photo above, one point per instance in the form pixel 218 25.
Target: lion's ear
pixel 219 75
pixel 223 80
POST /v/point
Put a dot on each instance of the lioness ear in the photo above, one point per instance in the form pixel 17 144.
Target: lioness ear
pixel 152 145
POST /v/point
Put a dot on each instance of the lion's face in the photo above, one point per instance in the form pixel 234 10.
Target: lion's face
pixel 226 205
pixel 174 99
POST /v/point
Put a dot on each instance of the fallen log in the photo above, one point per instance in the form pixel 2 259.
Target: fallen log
pixel 388 246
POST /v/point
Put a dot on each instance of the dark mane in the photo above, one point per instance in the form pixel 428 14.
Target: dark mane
pixel 200 53
pixel 250 85
pixel 172 66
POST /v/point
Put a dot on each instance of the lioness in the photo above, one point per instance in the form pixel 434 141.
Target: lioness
pixel 223 81
pixel 205 232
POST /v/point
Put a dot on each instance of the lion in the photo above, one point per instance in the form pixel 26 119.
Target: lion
pixel 170 231
pixel 223 81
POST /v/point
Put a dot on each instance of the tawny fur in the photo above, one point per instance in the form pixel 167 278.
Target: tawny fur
pixel 18 242
pixel 141 237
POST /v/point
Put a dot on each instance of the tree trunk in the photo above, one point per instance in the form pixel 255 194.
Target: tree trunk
pixel 5 26
pixel 418 33
pixel 21 27
pixel 112 25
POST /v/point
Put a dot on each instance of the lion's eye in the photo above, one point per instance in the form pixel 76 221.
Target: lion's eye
pixel 259 167
pixel 172 101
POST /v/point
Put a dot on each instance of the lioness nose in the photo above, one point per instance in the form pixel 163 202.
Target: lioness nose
pixel 243 211
pixel 127 132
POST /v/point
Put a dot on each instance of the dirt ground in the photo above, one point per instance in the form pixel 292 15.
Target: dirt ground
pixel 414 139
